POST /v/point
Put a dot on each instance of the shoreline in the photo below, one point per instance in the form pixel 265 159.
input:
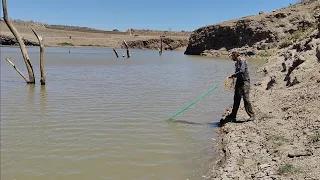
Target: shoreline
pixel 57 46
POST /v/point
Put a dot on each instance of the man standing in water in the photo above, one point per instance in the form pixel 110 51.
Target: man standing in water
pixel 242 87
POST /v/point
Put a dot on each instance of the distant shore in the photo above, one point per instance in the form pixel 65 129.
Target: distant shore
pixel 61 36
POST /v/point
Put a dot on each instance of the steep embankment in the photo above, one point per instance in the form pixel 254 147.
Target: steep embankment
pixel 284 141
pixel 252 34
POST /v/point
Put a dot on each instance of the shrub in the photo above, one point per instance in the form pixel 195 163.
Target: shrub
pixel 265 54
pixel 285 43
pixel 288 169
pixel 66 44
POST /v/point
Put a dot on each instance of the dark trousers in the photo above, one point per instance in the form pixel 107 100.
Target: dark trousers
pixel 242 91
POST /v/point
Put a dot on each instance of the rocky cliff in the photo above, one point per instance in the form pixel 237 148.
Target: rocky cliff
pixel 279 28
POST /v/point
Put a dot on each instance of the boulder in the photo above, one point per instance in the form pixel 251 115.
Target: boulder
pixel 318 53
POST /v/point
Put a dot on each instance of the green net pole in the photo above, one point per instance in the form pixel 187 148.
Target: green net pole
pixel 192 103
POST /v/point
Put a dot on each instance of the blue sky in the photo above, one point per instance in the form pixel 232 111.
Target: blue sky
pixel 176 15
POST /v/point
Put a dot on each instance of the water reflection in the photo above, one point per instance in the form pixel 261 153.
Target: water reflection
pixel 31 93
pixel 43 98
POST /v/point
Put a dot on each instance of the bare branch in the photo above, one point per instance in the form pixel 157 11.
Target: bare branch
pixel 14 66
pixel 127 47
pixel 115 51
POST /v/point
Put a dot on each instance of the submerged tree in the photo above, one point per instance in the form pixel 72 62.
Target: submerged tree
pixel 23 49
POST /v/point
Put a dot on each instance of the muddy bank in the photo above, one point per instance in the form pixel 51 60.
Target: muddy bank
pixel 284 140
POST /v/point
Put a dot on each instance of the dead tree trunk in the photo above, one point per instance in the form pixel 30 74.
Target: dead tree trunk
pixel 115 51
pixel 127 47
pixel 40 39
pixel 160 52
pixel 20 41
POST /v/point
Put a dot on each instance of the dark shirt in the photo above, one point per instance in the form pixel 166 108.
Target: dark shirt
pixel 241 71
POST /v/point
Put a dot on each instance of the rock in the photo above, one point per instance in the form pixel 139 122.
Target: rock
pixel 318 53
pixel 10 41
pixel 284 67
pixel 308 47
pixel 318 26
pixel 280 15
pixel 294 82
pixel 299 153
pixel 298 60
pixel 261 12
pixel 271 82
pixel 263 166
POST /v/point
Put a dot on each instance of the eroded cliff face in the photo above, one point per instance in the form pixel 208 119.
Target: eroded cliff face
pixel 261 32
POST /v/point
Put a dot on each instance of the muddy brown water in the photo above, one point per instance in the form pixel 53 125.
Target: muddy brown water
pixel 100 117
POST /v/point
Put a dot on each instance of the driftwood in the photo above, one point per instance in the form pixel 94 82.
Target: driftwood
pixel 115 51
pixel 14 66
pixel 21 44
pixel 40 39
pixel 127 47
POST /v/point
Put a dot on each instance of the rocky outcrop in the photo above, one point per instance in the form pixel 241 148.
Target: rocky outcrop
pixel 10 41
pixel 259 32
pixel 168 44
pixel 243 32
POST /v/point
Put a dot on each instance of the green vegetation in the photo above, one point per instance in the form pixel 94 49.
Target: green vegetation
pixel 115 30
pixel 315 137
pixel 278 140
pixel 297 36
pixel 66 44
pixel 288 169
pixel 302 33
pixel 265 54
pixel 285 43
